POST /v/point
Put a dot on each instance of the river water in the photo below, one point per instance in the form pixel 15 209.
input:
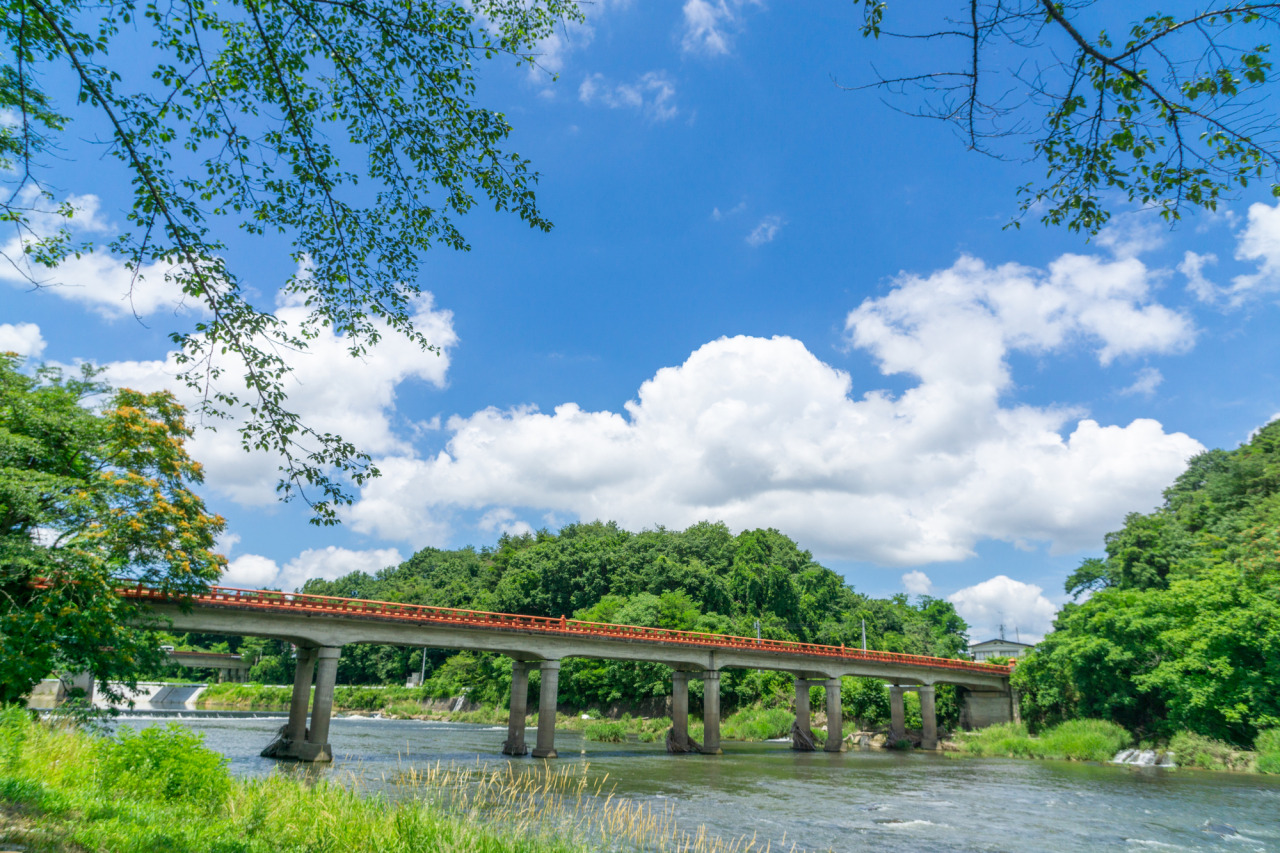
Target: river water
pixel 855 801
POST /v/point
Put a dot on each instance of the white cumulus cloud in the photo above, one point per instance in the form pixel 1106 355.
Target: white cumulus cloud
pixel 253 571
pixel 759 432
pixel 330 390
pixel 98 280
pixel 1259 243
pixel 917 583
pixel 504 520
pixel 1021 608
pixel 23 338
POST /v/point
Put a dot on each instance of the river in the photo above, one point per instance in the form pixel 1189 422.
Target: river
pixel 855 801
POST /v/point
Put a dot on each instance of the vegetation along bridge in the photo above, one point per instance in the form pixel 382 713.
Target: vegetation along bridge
pixel 321 625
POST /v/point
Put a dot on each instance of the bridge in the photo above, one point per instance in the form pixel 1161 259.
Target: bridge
pixel 321 625
pixel 228 667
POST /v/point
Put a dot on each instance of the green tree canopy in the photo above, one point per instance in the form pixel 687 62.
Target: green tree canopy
pixel 88 499
pixel 1114 100
pixel 1182 629
pixel 251 115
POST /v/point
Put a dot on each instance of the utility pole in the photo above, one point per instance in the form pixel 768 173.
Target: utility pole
pixel 864 634
pixel 757 630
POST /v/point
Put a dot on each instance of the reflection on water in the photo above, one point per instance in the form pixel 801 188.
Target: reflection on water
pixel 881 801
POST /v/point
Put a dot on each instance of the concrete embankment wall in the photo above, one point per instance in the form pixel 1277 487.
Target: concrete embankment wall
pixel 159 696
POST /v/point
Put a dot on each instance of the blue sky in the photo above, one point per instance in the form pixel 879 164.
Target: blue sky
pixel 766 300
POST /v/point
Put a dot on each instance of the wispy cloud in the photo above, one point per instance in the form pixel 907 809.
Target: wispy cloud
pixel 709 27
pixel 653 94
pixel 766 231
pixel 717 214
pixel 1146 383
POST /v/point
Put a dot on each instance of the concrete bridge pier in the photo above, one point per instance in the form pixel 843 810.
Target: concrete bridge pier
pixel 515 744
pixel 678 740
pixel 801 731
pixel 316 746
pixel 300 741
pixel 928 717
pixel 546 746
pixel 897 714
pixel 711 712
pixel 301 701
pixel 835 717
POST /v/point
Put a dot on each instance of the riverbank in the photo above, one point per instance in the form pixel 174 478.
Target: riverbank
pixel 1100 740
pixel 161 789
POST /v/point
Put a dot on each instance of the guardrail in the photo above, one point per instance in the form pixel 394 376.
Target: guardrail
pixel 258 599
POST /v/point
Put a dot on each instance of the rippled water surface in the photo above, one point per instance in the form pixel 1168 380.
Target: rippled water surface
pixel 856 801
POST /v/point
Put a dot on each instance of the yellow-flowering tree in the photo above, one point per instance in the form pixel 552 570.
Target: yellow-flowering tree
pixel 89 498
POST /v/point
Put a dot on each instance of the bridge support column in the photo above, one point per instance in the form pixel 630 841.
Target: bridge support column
pixel 316 746
pixel 678 740
pixel 546 747
pixel 897 715
pixel 928 718
pixel 835 717
pixel 297 730
pixel 801 731
pixel 515 744
pixel 711 712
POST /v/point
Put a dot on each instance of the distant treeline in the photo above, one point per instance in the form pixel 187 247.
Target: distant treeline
pixel 703 579
pixel 1181 630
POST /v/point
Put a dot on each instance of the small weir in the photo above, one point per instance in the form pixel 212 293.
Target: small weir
pixel 1144 758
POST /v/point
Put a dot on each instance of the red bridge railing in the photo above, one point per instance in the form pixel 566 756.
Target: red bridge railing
pixel 293 602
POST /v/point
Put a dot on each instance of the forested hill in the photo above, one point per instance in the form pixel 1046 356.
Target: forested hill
pixel 703 578
pixel 1182 630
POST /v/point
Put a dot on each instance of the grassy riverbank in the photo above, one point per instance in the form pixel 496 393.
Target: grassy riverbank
pixel 66 791
pixel 1100 740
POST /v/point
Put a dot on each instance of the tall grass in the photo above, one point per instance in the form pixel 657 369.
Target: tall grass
pixel 161 790
pixel 757 724
pixel 1194 750
pixel 1074 740
pixel 251 697
pixel 1085 740
pixel 606 731
pixel 1268 748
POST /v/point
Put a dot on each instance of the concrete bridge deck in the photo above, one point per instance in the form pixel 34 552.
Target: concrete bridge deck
pixel 321 625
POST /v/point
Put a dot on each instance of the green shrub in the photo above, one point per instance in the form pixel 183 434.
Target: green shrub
pixel 169 764
pixel 1004 739
pixel 1074 740
pixel 606 731
pixel 403 709
pixel 1194 750
pixel 758 724
pixel 1084 740
pixel 1268 748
